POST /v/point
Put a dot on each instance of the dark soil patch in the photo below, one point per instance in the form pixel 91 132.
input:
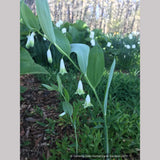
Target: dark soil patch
pixel 37 108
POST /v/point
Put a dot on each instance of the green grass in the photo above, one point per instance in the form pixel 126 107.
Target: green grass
pixel 122 116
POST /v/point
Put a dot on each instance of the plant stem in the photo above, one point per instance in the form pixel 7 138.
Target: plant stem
pixel 75 132
pixel 95 93
pixel 106 136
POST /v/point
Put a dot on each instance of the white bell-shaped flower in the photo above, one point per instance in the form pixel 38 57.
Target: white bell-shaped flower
pixel 108 44
pixel 91 35
pixel 30 40
pixel 127 46
pixel 62 114
pixel 133 46
pixel 62 67
pixel 49 56
pixel 44 37
pixel 87 102
pixel 80 90
pixel 92 42
pixel 130 36
pixel 64 30
pixel 59 23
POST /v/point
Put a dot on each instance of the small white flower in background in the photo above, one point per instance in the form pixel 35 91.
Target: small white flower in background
pixel 92 42
pixel 124 56
pixel 59 23
pixel 62 67
pixel 127 46
pixel 62 114
pixel 30 40
pixel 80 90
pixel 91 35
pixel 44 37
pixel 49 56
pixel 64 30
pixel 108 44
pixel 133 46
pixel 130 36
pixel 138 42
pixel 87 101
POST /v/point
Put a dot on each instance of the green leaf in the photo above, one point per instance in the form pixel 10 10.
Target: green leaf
pixel 95 65
pixel 28 17
pixel 82 51
pixel 108 85
pixel 27 64
pixel 60 86
pixel 75 113
pixel 62 42
pixel 66 94
pixel 45 19
pixel 67 108
pixel 50 88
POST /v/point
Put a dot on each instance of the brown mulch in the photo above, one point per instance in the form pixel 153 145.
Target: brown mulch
pixel 38 105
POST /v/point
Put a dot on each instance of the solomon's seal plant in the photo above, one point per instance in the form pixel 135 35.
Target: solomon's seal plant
pixel 90 61
pixel 59 23
pixel 87 102
pixel 30 40
pixel 80 90
pixel 64 30
pixel 62 67
pixel 92 42
pixel 49 56
pixel 91 35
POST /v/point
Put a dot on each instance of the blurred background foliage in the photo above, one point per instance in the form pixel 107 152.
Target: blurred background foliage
pixel 121 16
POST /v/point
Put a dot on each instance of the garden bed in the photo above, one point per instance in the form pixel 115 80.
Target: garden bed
pixel 37 106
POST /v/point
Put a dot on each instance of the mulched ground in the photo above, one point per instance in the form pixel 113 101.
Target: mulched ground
pixel 38 105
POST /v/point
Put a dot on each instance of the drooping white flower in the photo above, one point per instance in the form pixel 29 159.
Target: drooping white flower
pixel 62 114
pixel 91 35
pixel 30 40
pixel 62 67
pixel 64 30
pixel 49 56
pixel 138 42
pixel 130 36
pixel 87 102
pixel 59 23
pixel 80 90
pixel 127 46
pixel 92 42
pixel 44 37
pixel 133 46
pixel 108 44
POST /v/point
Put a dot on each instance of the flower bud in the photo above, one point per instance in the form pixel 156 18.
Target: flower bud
pixel 62 67
pixel 44 37
pixel 133 46
pixel 30 40
pixel 49 56
pixel 130 36
pixel 59 23
pixel 62 114
pixel 91 35
pixel 80 90
pixel 108 44
pixel 87 102
pixel 92 42
pixel 64 30
pixel 127 46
